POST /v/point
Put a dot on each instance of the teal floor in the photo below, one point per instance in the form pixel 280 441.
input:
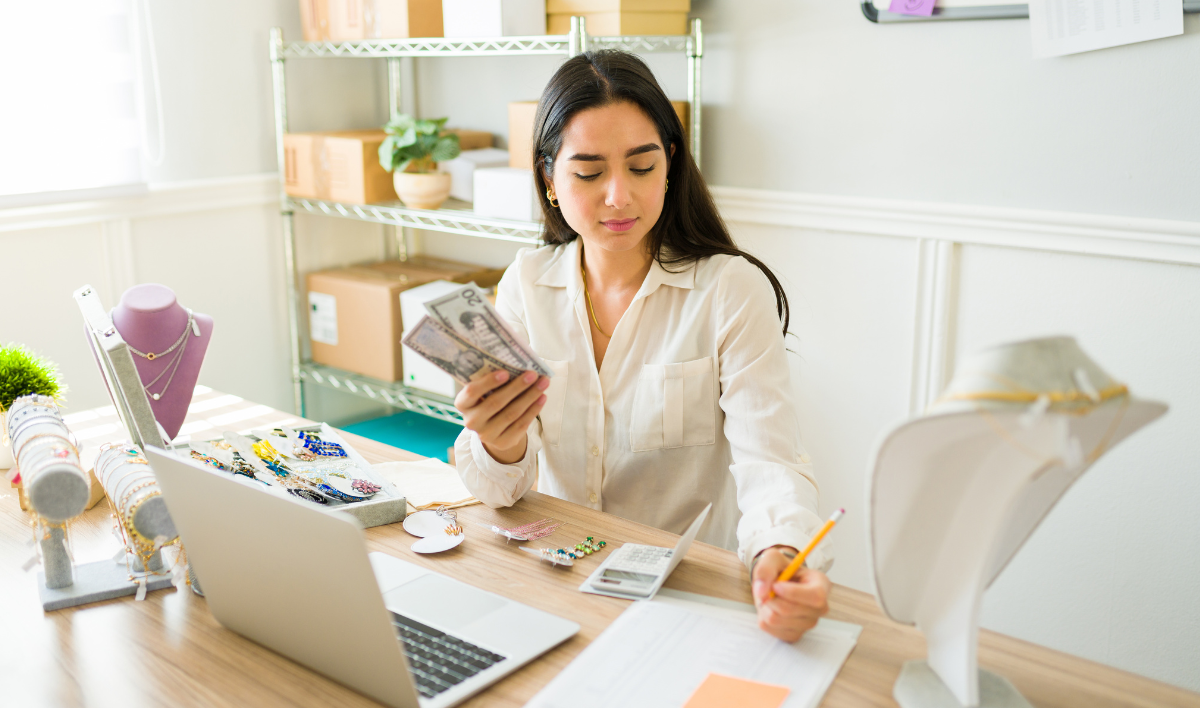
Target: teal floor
pixel 411 431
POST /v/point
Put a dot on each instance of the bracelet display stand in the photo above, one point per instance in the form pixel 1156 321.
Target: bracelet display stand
pixel 58 491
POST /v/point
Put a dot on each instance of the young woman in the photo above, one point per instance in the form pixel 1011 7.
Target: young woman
pixel 671 387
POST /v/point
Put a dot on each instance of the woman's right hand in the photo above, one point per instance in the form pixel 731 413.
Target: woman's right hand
pixel 500 412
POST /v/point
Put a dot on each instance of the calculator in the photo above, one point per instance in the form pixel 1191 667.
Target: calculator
pixel 636 571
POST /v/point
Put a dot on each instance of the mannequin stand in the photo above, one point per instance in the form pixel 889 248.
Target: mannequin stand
pixel 919 687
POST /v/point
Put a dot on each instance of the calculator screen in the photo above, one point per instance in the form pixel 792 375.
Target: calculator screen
pixel 626 575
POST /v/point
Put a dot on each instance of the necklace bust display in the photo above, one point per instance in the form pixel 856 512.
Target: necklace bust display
pixel 168 342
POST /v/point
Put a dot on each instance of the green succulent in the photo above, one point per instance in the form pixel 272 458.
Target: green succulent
pixel 416 145
pixel 22 372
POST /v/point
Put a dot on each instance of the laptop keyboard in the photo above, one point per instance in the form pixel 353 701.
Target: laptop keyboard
pixel 438 660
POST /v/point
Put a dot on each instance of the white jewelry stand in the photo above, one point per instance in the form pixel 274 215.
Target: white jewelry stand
pixel 956 493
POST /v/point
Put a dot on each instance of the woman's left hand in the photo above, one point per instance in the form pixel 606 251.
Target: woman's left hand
pixel 798 603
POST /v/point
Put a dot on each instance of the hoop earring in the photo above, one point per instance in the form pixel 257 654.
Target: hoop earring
pixel 550 196
pixel 666 186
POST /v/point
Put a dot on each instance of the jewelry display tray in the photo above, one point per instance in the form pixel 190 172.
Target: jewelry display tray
pixel 388 506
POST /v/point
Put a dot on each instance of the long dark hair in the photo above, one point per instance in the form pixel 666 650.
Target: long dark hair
pixel 690 227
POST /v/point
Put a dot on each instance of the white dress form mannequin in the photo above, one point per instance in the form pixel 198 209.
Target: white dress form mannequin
pixel 150 320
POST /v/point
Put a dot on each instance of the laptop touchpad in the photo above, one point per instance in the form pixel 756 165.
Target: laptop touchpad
pixel 442 602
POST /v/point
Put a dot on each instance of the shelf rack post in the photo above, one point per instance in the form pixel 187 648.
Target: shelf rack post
pixel 584 42
pixel 395 108
pixel 573 42
pixel 694 57
pixel 279 84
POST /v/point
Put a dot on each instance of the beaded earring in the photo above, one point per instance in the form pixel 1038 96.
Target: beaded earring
pixel 589 546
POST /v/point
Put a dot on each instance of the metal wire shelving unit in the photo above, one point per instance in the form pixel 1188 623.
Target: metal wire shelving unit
pixel 454 217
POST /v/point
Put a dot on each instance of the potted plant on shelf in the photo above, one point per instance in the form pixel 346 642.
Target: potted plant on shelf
pixel 22 373
pixel 411 152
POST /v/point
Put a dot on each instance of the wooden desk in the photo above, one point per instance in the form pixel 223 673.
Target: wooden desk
pixel 169 651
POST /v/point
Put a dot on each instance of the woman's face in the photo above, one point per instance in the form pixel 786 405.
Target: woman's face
pixel 610 176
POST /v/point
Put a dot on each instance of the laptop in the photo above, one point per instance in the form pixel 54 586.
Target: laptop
pixel 299 581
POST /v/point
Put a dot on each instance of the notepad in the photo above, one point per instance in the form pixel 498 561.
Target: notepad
pixel 719 691
pixel 659 652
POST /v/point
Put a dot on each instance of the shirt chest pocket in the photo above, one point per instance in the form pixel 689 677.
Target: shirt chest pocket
pixel 556 396
pixel 674 405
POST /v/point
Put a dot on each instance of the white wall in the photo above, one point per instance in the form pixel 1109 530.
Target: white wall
pixel 953 123
pixel 1111 574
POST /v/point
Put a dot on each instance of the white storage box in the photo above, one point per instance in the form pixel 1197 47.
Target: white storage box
pixel 418 371
pixel 506 193
pixel 493 18
pixel 462 169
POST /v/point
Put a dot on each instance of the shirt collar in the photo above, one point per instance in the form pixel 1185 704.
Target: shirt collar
pixel 564 273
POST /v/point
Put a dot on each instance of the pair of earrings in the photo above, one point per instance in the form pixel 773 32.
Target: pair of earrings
pixel 451 518
pixel 586 548
pixel 589 546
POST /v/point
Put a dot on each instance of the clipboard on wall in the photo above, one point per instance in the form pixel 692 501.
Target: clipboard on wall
pixel 877 11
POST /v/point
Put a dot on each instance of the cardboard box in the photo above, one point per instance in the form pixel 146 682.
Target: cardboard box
pixel 582 7
pixel 521 115
pixel 351 20
pixel 682 109
pixel 605 24
pixel 314 18
pixel 506 193
pixel 462 169
pixel 444 269
pixel 520 133
pixel 494 18
pixel 473 139
pixel 339 166
pixel 355 320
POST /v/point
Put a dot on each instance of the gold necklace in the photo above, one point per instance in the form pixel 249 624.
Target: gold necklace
pixel 591 310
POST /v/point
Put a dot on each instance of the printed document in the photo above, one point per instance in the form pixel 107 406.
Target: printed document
pixel 657 653
pixel 1072 26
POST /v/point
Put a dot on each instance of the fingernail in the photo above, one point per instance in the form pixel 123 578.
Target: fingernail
pixel 541 399
pixel 543 384
pixel 529 377
pixel 501 375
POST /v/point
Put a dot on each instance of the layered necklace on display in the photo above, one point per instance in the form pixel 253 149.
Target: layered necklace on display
pixel 179 347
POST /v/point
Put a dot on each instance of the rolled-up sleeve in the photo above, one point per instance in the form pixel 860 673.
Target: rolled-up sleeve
pixel 492 482
pixel 776 490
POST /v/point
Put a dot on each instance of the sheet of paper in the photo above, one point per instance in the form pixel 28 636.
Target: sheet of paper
pixel 719 691
pixel 658 652
pixel 922 8
pixel 1071 26
pixel 426 483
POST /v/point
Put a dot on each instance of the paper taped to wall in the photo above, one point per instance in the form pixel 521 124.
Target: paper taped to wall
pixel 1071 26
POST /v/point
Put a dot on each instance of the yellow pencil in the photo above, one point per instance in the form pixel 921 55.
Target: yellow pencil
pixel 798 561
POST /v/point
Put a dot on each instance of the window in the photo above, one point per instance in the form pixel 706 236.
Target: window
pixel 71 119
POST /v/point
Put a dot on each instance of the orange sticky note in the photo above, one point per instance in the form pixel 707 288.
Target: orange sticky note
pixel 717 691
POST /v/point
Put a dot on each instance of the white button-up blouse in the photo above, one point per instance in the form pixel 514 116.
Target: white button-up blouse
pixel 693 404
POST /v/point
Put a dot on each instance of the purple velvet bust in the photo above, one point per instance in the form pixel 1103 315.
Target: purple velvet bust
pixel 151 321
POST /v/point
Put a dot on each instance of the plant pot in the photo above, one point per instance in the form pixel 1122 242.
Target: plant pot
pixel 422 190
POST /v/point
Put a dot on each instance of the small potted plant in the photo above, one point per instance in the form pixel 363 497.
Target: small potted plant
pixel 22 373
pixel 411 152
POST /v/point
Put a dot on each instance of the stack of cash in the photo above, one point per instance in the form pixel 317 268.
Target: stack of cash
pixel 464 336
